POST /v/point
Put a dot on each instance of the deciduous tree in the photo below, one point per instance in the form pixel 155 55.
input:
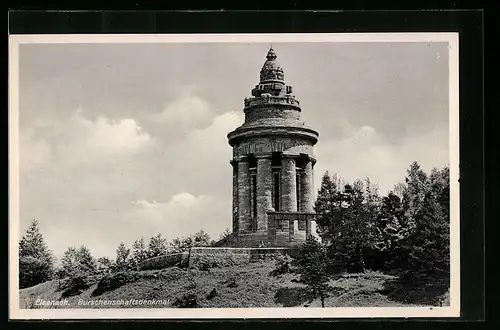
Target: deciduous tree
pixel 313 265
pixel 157 246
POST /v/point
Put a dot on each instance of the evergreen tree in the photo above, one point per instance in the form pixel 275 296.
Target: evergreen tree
pixel 328 208
pixel 346 221
pixel 87 261
pixel 70 263
pixel 103 265
pixel 356 227
pixel 36 262
pixel 313 265
pixel 420 248
pixel 429 258
pixel 389 240
pixel 139 253
pixel 122 261
pixel 417 187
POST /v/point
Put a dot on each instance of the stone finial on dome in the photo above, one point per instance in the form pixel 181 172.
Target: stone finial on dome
pixel 271 55
pixel 271 71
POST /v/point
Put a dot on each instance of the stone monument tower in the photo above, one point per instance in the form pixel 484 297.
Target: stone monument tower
pixel 273 163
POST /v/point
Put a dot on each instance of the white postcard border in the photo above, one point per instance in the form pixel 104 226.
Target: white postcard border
pixel 246 313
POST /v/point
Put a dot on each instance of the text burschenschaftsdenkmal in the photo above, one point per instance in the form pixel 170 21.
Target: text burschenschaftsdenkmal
pixel 103 302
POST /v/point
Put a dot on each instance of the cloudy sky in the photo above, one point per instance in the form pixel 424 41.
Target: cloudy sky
pixel 123 141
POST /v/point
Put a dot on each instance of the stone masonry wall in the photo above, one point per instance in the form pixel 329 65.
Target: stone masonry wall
pixel 307 204
pixel 289 184
pixel 264 190
pixel 168 260
pixel 266 145
pixel 244 207
pixel 235 198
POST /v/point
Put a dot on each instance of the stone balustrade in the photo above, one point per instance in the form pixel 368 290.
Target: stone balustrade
pixel 271 100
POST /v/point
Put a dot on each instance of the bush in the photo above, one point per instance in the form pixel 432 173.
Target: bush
pixel 114 281
pixel 208 261
pixel 75 285
pixel 34 270
pixel 283 265
pixel 188 300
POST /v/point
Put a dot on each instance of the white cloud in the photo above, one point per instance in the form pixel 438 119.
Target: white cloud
pixel 183 214
pixel 33 152
pixel 78 141
pixel 364 152
pixel 176 202
pixel 184 111
pixel 109 136
pixel 102 137
pixel 214 137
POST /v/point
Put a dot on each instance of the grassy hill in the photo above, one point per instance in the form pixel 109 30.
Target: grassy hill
pixel 237 286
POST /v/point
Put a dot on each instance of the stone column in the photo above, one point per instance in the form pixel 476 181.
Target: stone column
pixel 289 184
pixel 307 192
pixel 244 215
pixel 235 196
pixel 264 190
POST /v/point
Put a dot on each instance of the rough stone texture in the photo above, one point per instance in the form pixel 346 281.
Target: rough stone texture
pixel 235 198
pixel 289 182
pixel 267 145
pixel 299 234
pixel 222 257
pixel 264 190
pixel 214 257
pixel 168 260
pixel 271 112
pixel 201 260
pixel 253 202
pixel 307 201
pixel 283 227
pixel 255 239
pixel 244 209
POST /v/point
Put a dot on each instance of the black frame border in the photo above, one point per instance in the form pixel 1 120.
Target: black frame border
pixel 468 23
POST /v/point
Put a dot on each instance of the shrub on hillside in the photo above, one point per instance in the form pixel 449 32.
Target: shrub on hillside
pixel 75 285
pixel 283 265
pixel 208 261
pixel 113 281
pixel 188 300
pixel 34 270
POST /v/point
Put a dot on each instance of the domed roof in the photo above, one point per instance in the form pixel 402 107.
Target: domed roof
pixel 271 70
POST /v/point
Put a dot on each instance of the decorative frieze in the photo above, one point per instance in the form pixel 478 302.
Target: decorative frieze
pixel 269 99
pixel 275 144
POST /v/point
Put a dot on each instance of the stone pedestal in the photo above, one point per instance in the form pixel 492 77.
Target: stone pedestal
pixel 264 190
pixel 289 184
